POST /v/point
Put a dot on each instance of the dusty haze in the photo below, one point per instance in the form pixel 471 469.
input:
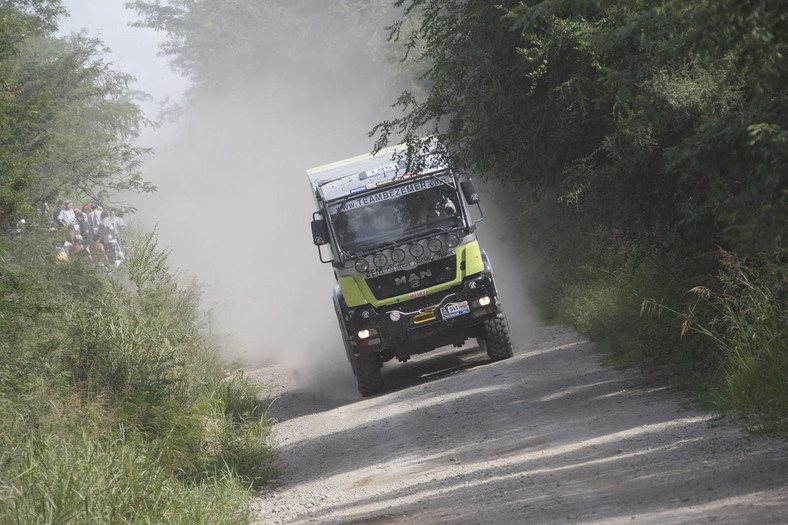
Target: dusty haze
pixel 234 206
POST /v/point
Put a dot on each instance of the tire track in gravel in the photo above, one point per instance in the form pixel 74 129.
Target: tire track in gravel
pixel 547 436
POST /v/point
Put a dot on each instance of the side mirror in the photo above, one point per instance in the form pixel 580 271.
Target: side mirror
pixel 469 192
pixel 319 232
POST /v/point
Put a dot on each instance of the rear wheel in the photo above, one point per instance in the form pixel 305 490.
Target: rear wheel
pixel 366 367
pixel 496 339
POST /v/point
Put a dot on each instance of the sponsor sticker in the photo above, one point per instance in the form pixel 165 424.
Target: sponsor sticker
pixel 455 309
pixel 385 195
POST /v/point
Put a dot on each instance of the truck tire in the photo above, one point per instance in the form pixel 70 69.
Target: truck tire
pixel 366 368
pixel 496 339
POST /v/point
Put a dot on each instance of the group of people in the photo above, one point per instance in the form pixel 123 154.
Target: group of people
pixel 92 232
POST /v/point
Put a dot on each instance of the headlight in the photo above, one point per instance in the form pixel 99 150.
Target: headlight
pixel 452 240
pixel 416 250
pixel 435 245
pixel 362 265
pixel 397 255
pixel 484 301
pixel 367 333
pixel 380 260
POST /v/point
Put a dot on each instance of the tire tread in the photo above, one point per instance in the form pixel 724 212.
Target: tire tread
pixel 496 337
pixel 368 375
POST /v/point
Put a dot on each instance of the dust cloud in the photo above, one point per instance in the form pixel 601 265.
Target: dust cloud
pixel 499 237
pixel 234 204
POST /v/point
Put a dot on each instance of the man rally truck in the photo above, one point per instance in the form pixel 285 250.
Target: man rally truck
pixel 411 276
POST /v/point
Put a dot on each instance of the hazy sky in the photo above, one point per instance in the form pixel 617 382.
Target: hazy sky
pixel 133 50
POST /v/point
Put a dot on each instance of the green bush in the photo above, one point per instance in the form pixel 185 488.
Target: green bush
pixel 748 321
pixel 114 404
pixel 94 474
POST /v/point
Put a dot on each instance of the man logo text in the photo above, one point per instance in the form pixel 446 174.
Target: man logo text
pixel 413 278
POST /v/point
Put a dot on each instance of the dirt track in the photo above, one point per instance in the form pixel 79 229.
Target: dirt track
pixel 545 437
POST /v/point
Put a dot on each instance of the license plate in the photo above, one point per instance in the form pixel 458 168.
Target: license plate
pixel 455 309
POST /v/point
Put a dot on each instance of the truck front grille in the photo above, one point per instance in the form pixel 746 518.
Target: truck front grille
pixel 414 279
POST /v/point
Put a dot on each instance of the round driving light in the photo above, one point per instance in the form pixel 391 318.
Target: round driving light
pixel 452 240
pixel 395 316
pixel 416 250
pixel 397 255
pixel 435 245
pixel 484 301
pixel 380 260
pixel 362 265
pixel 363 334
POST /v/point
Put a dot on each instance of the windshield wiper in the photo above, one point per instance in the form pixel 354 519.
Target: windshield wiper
pixel 341 208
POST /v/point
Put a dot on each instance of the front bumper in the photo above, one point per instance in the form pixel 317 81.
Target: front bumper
pixel 425 323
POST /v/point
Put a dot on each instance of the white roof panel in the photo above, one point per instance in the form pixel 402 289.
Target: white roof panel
pixel 363 172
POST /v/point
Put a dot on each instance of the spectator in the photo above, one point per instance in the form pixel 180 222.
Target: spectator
pixel 67 217
pixel 110 235
pixel 119 224
pixel 94 221
pixel 84 229
pixel 97 252
pixel 63 252
pixel 77 249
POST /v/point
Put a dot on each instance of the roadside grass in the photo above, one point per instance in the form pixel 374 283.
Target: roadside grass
pixel 748 321
pixel 729 348
pixel 96 474
pixel 114 403
pixel 722 338
pixel 605 305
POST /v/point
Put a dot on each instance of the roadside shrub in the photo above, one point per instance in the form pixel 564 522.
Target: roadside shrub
pixel 114 405
pixel 94 474
pixel 748 321
pixel 244 429
pixel 612 302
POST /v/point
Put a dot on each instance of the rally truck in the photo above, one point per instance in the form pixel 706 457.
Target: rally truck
pixel 411 277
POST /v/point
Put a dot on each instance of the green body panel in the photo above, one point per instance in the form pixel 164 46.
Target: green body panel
pixel 357 292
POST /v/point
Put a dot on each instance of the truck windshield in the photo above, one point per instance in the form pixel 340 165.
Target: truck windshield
pixel 396 214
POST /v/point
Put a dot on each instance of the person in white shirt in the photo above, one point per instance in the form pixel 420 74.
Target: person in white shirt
pixel 94 221
pixel 110 234
pixel 67 217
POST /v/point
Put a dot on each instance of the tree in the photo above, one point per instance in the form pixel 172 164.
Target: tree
pixel 87 120
pixel 67 121
pixel 18 20
pixel 648 117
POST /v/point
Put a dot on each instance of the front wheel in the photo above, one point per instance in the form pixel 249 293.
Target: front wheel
pixel 366 368
pixel 496 339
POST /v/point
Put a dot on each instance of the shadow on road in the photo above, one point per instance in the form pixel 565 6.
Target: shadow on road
pixel 430 367
pixel 548 436
pixel 419 369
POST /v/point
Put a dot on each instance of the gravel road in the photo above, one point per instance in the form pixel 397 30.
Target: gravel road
pixel 548 436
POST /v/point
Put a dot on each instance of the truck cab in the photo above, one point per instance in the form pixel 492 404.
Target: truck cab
pixel 410 274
